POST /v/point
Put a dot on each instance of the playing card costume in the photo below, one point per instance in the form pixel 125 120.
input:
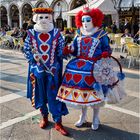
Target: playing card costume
pixel 44 50
pixel 79 86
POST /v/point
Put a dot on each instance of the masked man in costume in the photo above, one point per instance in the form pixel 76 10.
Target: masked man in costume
pixel 44 51
pixel 78 86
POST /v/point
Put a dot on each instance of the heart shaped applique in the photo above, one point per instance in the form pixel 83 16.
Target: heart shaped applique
pixel 62 90
pixel 87 40
pixel 75 94
pixel 80 64
pixel 84 47
pixel 45 58
pixel 68 76
pixel 44 37
pixel 66 92
pixel 89 80
pixel 85 95
pixel 77 78
pixel 44 48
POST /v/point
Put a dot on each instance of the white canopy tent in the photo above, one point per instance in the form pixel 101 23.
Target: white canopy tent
pixel 106 6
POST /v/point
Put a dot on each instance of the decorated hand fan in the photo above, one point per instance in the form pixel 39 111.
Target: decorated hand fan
pixel 108 73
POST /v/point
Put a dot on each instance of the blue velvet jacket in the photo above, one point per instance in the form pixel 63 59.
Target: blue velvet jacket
pixel 49 46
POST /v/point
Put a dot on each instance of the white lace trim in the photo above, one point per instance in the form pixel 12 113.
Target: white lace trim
pixel 99 103
pixel 87 33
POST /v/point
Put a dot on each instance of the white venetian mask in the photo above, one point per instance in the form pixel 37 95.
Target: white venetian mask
pixel 87 23
pixel 44 22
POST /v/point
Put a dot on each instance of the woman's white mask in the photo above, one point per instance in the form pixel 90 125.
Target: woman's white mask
pixel 87 23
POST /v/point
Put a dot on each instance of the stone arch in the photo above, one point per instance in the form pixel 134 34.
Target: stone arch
pixel 41 3
pixel 62 5
pixel 76 3
pixel 3 16
pixel 26 11
pixel 14 15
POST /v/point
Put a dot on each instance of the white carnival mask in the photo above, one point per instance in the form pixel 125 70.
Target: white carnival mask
pixel 87 23
pixel 44 22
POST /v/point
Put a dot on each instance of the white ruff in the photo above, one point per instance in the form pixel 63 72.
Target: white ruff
pixel 88 33
pixel 38 28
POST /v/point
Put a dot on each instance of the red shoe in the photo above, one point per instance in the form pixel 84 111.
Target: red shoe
pixel 59 127
pixel 43 123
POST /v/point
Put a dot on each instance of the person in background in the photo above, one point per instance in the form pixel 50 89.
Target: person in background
pixel 114 27
pixel 72 31
pixel 68 37
pixel 30 24
pixel 22 33
pixel 127 25
pixel 126 33
pixel 25 25
pixel 2 32
pixel 15 32
pixel 137 37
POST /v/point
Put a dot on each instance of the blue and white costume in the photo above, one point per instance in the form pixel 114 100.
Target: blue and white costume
pixel 43 84
pixel 78 82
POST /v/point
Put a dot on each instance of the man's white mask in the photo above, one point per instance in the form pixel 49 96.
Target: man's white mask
pixel 87 23
pixel 44 22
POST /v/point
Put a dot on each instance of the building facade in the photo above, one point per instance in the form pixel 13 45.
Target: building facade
pixel 15 12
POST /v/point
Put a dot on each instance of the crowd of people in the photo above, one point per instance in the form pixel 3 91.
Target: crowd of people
pixel 16 33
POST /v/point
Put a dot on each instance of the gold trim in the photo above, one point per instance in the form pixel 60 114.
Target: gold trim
pixel 103 35
pixel 99 34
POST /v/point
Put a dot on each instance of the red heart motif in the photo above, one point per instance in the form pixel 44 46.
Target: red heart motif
pixel 84 47
pixel 89 80
pixel 77 78
pixel 68 76
pixel 44 37
pixel 81 64
pixel 53 70
pixel 44 57
pixel 66 92
pixel 85 95
pixel 87 40
pixel 44 48
pixel 75 94
pixel 62 90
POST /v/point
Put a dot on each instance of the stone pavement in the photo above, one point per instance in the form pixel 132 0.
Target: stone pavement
pixel 19 121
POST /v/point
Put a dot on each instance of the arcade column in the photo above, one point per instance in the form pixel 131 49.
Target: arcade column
pixel 20 19
pixel 9 19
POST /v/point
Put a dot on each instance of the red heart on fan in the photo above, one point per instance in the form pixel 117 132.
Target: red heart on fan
pixel 44 48
pixel 44 37
pixel 89 80
pixel 75 94
pixel 62 90
pixel 68 76
pixel 66 92
pixel 77 78
pixel 85 95
pixel 44 57
pixel 81 64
